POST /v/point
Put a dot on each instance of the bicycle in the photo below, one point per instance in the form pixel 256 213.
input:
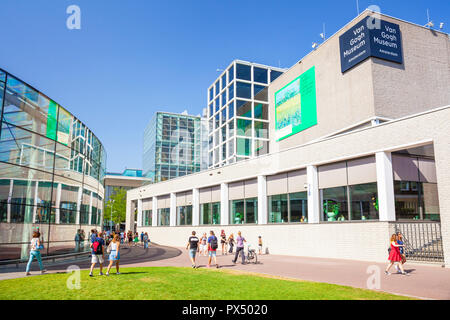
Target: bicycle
pixel 251 255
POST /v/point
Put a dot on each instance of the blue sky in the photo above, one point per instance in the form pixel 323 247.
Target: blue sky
pixel 132 58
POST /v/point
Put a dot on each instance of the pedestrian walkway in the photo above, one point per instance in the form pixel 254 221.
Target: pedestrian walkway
pixel 425 281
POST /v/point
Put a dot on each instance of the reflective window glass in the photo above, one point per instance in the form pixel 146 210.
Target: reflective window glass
pixel 244 108
pixel 231 74
pixel 259 75
pixel 261 92
pixel 243 90
pixel 274 74
pixel 244 127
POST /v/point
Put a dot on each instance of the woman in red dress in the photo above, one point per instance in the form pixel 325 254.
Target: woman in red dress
pixel 395 256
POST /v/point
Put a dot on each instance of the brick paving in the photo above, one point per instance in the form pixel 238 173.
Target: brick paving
pixel 424 281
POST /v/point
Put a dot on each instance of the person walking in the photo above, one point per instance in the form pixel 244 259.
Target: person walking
pixel 212 248
pixel 35 252
pixel 122 234
pixel 204 245
pixel 142 237
pixel 239 248
pixel 223 242
pixel 130 238
pixel 136 239
pixel 97 253
pixel 402 250
pixel 192 246
pixel 231 243
pixel 260 245
pixel 146 240
pixel 395 256
pixel 114 255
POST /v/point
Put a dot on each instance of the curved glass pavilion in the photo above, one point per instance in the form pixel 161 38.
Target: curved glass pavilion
pixel 51 173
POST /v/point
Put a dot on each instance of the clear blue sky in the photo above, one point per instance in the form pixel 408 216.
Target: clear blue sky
pixel 132 58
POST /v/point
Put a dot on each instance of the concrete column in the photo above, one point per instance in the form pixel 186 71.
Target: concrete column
pixel 79 199
pixel 195 207
pixel 385 186
pixel 58 203
pixel 224 205
pixel 173 209
pixel 262 200
pixel 155 212
pixel 442 154
pixel 139 213
pixel 313 195
pixel 129 216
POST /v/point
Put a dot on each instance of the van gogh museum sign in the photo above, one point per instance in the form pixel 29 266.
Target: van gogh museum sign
pixel 371 37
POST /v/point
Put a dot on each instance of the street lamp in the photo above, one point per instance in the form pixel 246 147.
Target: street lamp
pixel 111 221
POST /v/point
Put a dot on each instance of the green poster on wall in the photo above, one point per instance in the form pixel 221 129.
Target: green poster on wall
pixel 295 105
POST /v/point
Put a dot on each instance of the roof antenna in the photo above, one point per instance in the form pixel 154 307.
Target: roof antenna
pixel 430 23
pixel 357 6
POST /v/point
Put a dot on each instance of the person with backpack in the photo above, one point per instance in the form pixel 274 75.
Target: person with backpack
pixel 97 253
pixel 35 252
pixel 212 248
pixel 239 248
pixel 192 246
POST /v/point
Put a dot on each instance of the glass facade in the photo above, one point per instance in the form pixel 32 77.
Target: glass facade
pixel 239 96
pixel 210 213
pixel 288 208
pixel 174 145
pixel 244 211
pixel 52 169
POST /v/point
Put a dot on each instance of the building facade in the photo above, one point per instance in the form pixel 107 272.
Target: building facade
pixel 238 112
pixel 359 148
pixel 52 168
pixel 175 145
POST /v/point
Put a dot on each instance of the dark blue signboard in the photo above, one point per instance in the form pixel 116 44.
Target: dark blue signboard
pixel 371 37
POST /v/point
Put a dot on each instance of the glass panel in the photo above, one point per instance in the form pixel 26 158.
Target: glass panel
pixel 260 92
pixel 274 74
pixel 224 80
pixel 430 202
pixel 243 147
pixel 334 202
pixel 216 213
pixel 243 90
pixel 205 213
pixel 261 111
pixel 231 110
pixel 251 210
pixel 243 72
pixel 230 92
pixel 231 74
pixel 244 108
pixel 217 88
pixel 259 75
pixel 299 206
pixel 164 217
pixel 261 130
pixel 211 94
pixel 224 98
pixel 407 204
pixel 231 129
pixel 244 127
pixel 237 212
pixel 231 148
pixel 224 115
pixel 364 201
pixel 278 208
pixel 261 147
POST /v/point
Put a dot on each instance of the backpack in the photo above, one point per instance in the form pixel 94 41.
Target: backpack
pixel 213 243
pixel 97 247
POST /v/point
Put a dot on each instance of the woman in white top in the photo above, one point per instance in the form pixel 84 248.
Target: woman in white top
pixel 114 255
pixel 35 253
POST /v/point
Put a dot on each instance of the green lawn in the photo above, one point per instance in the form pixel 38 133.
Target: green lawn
pixel 171 283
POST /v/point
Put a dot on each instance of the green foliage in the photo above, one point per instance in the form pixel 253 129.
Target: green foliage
pixel 171 283
pixel 118 204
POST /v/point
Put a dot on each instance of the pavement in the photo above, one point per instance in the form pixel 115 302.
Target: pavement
pixel 425 281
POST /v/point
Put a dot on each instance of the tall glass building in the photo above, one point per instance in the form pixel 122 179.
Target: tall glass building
pixel 174 145
pixel 238 112
pixel 51 173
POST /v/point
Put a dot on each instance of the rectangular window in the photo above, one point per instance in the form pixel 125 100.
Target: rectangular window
pixel 243 72
pixel 364 201
pixel 260 92
pixel 244 127
pixel 231 74
pixel 243 147
pixel 210 213
pixel 244 211
pixel 278 208
pixel 243 108
pixel 243 90
pixel 261 111
pixel 164 217
pixel 184 215
pixel 298 207
pixel 334 204
pixel 259 75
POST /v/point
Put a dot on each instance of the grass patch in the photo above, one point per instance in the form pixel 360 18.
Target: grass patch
pixel 172 283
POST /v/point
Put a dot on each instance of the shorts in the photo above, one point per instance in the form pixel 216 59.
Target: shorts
pixel 97 258
pixel 112 256
pixel 202 247
pixel 192 253
pixel 212 253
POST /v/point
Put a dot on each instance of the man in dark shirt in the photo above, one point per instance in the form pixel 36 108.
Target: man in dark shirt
pixel 193 247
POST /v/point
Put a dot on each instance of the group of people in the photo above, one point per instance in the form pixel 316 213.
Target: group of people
pixel 209 245
pixel 397 254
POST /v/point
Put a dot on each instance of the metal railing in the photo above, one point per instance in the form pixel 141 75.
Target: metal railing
pixel 423 240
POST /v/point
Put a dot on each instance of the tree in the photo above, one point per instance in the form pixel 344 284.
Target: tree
pixel 119 206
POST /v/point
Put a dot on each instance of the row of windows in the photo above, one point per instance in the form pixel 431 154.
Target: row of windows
pixel 413 200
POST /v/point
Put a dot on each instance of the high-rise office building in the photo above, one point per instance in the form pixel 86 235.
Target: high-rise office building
pixel 174 145
pixel 238 112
